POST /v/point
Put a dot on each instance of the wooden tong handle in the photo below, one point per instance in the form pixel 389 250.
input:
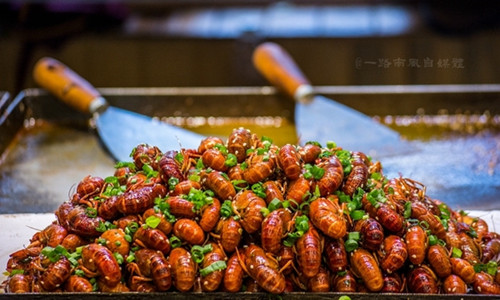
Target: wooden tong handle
pixel 67 85
pixel 279 68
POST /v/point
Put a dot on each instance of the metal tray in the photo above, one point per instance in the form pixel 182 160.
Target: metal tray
pixel 48 147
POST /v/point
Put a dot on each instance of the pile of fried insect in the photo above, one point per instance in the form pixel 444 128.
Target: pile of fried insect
pixel 248 216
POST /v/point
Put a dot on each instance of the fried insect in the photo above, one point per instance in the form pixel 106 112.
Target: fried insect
pixel 189 231
pixel 77 220
pixel 78 284
pixel 319 282
pixel 56 274
pixel 344 282
pixel 358 176
pixel 210 215
pixel 336 255
pixel 164 226
pixel 439 260
pixel 19 283
pixel 139 200
pixel 327 216
pixel 234 273
pixel 310 152
pixel 51 236
pixel 365 266
pixel 183 187
pixel 385 213
pixel 260 167
pixel 289 161
pixel 170 167
pixel 309 251
pixel 421 280
pixel 462 268
pixel 416 241
pixel 144 154
pixel 230 234
pixel 491 250
pixel 211 282
pixel 392 283
pixel 248 206
pixel 419 211
pixel 393 254
pixel 298 190
pixel 181 208
pixel 483 284
pixel 98 259
pixel 372 233
pixel 333 176
pixel 89 186
pixel 453 284
pixel 219 184
pixel 182 268
pixel 272 191
pixel 239 141
pixel 274 228
pixel 108 210
pixel 215 159
pixel 153 264
pixel 264 270
pixel 152 238
pixel 115 241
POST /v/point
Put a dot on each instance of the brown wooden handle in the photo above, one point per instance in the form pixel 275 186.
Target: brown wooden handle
pixel 65 84
pixel 277 66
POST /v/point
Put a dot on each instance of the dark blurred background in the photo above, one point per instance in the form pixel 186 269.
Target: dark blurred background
pixel 209 43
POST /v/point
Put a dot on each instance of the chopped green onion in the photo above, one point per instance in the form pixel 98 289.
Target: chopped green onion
pixel 153 221
pixel 264 211
pixel 258 189
pixel 357 214
pixel 354 235
pixel 175 242
pixel 455 252
pixel 149 171
pixel 130 257
pixel 274 204
pixel 215 266
pixel 179 157
pixel 351 245
pixel 330 144
pixel 433 240
pixel 198 252
pixel 172 182
pixel 118 257
pixel 231 160
pixel 407 211
pixel 313 171
pixel 221 148
pixel 226 209
pixel 91 212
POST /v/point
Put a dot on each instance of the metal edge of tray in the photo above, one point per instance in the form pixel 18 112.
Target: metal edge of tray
pixel 242 295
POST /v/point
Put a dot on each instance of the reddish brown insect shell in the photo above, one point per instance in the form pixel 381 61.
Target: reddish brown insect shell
pixel 309 252
pixel 234 273
pixel 453 284
pixel 189 231
pixel 182 268
pixel 327 216
pixel 289 161
pixel 393 255
pixel 364 265
pixel 439 260
pixel 416 241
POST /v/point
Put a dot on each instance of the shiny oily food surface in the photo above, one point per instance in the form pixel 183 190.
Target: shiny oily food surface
pixel 247 215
